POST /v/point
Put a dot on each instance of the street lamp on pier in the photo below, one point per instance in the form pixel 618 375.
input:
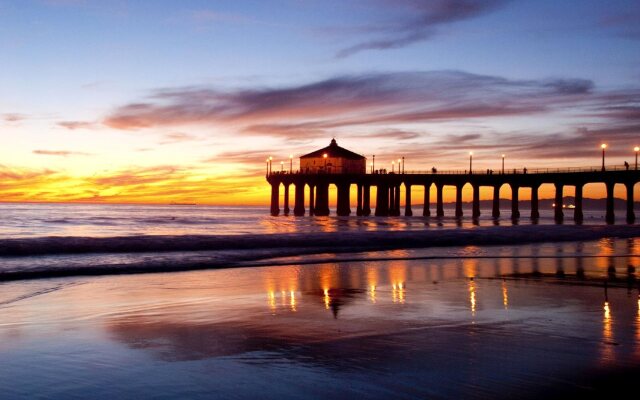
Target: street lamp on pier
pixel 503 164
pixel 603 146
pixel 393 166
pixel 636 149
pixel 281 166
pixel 403 165
pixel 325 161
pixel 470 162
pixel 291 163
pixel 270 164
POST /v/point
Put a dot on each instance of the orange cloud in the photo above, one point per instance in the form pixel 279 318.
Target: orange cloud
pixel 157 185
pixel 60 153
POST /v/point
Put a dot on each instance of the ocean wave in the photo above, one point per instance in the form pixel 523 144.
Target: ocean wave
pixel 44 257
pixel 326 241
pixel 181 221
pixel 118 221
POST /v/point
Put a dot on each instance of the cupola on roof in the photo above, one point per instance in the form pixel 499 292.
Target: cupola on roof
pixel 334 151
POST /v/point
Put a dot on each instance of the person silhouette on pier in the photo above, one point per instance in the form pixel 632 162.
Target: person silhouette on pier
pixel 626 165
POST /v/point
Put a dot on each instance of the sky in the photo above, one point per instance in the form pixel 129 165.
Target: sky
pixel 161 101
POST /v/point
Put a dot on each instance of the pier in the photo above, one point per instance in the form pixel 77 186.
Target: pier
pixel 335 165
pixel 389 185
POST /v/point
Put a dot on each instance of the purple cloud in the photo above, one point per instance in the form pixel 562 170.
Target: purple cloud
pixel 420 20
pixel 13 117
pixel 350 100
pixel 625 25
pixel 384 103
pixel 73 125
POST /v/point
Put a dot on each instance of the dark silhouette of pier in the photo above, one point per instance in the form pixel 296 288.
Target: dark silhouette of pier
pixel 389 185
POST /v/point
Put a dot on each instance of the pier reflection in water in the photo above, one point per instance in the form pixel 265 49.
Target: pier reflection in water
pixel 366 298
pixel 472 322
pixel 343 284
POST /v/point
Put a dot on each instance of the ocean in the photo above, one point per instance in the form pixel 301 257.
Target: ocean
pixel 178 301
pixel 48 240
pixel 31 220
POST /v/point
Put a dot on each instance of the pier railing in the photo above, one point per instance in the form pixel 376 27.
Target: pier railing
pixel 520 171
pixel 513 171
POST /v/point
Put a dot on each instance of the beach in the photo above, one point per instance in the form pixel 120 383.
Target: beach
pixel 468 328
pixel 476 320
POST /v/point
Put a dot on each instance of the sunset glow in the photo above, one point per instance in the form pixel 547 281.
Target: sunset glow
pixel 120 102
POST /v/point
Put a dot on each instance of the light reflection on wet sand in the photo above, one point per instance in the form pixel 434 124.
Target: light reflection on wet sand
pixel 453 327
pixel 607 335
pixel 505 295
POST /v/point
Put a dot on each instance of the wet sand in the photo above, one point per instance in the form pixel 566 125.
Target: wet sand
pixel 527 321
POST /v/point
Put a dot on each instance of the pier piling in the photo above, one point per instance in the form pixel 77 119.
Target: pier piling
pixel 558 213
pixel 578 215
pixel 631 216
pixel 610 216
pixel 535 207
pixel 495 213
pixel 476 202
pixel 440 203
pixel 389 186
pixel 426 211
pixel 515 210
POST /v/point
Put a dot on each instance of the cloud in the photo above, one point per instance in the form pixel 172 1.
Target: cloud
pixel 60 153
pixel 167 183
pixel 385 44
pixel 73 125
pixel 158 184
pixel 8 173
pixel 569 86
pixel 312 110
pixel 139 176
pixel 177 137
pixel 393 134
pixel 297 132
pixel 625 25
pixel 13 117
pixel 418 20
pixel 460 139
pixel 238 156
pixel 407 107
pixel 579 144
pixel 20 184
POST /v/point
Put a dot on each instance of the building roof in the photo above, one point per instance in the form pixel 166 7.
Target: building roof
pixel 334 151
